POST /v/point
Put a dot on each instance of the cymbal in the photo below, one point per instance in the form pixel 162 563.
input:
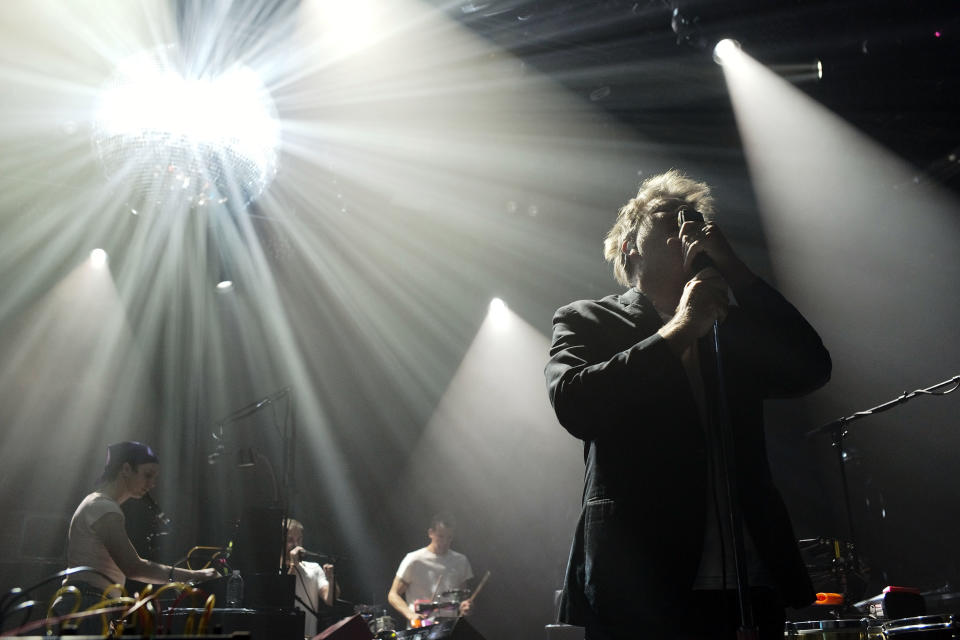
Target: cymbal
pixel 456 593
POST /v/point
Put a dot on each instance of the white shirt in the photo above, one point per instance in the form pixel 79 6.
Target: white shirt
pixel 310 580
pixel 428 574
pixel 84 547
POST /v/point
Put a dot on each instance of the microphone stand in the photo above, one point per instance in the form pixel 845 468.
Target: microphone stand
pixel 723 435
pixel 838 431
pixel 282 489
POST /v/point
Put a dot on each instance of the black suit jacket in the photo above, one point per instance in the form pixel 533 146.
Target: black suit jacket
pixel 615 384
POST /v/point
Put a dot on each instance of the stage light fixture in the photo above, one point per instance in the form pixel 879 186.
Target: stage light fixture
pixel 724 50
pixel 499 314
pixel 181 138
pixel 225 285
pixel 98 258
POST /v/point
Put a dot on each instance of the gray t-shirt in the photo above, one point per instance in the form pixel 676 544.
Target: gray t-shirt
pixel 84 547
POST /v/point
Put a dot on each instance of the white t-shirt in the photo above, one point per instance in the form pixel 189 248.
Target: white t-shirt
pixel 84 547
pixel 427 574
pixel 310 580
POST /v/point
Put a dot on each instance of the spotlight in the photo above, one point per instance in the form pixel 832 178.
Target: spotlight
pixel 225 285
pixel 819 70
pixel 98 258
pixel 499 314
pixel 725 50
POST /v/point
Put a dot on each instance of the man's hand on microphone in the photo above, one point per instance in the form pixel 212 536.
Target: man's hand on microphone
pixel 704 301
pixel 295 555
pixel 707 239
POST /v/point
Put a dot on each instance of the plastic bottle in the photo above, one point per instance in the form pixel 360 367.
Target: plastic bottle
pixel 235 590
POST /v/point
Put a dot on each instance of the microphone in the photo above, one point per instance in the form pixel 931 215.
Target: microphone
pixel 315 554
pixel 688 214
pixel 155 508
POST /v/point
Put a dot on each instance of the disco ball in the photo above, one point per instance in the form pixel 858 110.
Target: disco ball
pixel 173 139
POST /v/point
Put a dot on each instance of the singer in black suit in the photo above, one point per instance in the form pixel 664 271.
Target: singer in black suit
pixel 632 375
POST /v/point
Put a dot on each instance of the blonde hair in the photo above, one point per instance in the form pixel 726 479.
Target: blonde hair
pixel 294 525
pixel 671 185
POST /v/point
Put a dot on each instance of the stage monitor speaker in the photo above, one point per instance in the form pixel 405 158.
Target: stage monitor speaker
pixel 352 628
pixel 260 541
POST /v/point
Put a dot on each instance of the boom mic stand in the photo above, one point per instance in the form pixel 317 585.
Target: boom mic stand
pixel 838 431
pixel 283 488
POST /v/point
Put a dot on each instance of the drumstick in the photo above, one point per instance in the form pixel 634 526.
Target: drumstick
pixel 483 581
pixel 436 589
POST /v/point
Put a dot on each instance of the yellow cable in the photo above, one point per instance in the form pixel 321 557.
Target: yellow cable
pixel 106 602
pixel 72 590
pixel 207 612
pixel 201 548
pixel 180 586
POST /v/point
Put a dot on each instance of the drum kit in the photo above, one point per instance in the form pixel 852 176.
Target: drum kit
pixel 378 619
pixel 935 627
pixel 897 613
pixel 383 626
pixel 443 606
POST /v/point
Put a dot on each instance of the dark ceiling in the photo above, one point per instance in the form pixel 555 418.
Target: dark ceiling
pixel 649 62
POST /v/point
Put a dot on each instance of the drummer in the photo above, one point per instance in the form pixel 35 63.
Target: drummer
pixel 427 574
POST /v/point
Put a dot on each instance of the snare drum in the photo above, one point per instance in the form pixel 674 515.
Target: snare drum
pixel 384 628
pixel 921 628
pixel 827 630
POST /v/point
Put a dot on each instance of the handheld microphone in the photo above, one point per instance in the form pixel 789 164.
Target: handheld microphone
pixel 155 508
pixel 688 214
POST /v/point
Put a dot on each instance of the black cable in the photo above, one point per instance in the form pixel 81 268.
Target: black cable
pixel 27 610
pixel 15 594
pixel 314 611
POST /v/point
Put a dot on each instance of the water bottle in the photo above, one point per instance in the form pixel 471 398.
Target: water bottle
pixel 235 590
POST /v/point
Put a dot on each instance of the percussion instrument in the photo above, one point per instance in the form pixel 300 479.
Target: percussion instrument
pixel 829 630
pixel 939 627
